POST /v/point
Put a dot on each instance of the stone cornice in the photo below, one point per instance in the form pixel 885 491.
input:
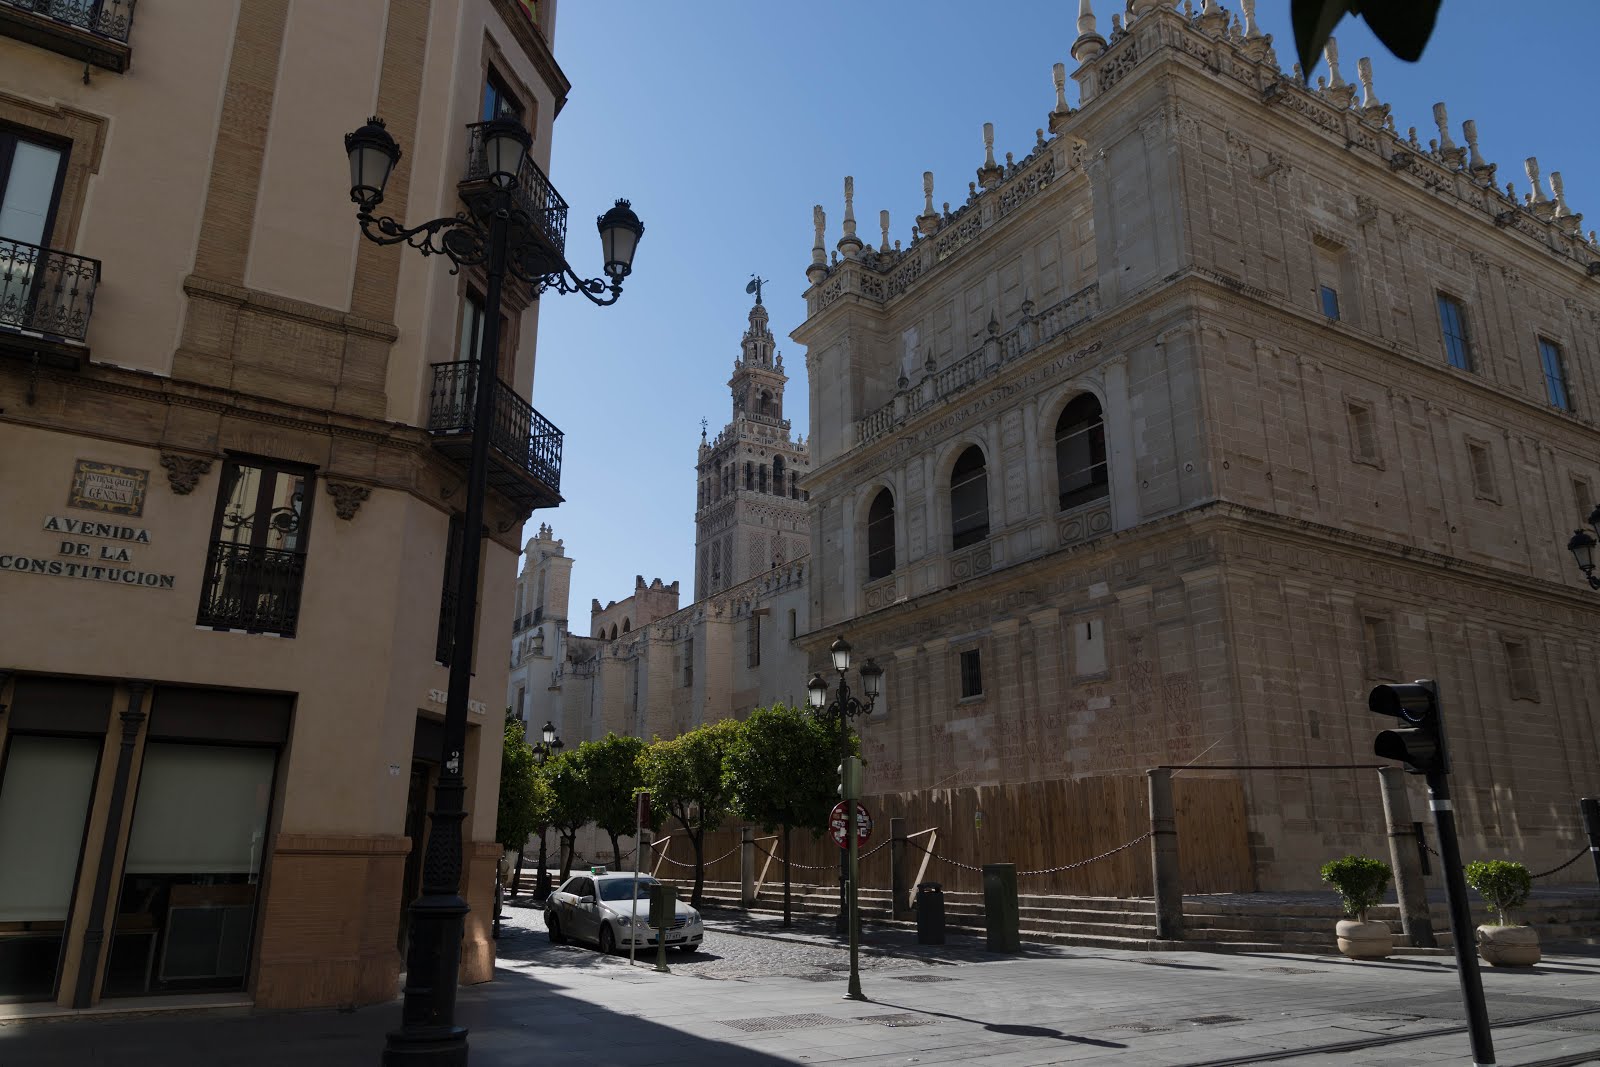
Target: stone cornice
pixel 286 307
pixel 533 43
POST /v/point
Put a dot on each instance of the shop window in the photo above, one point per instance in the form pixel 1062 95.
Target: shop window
pixel 969 499
pixel 46 786
pixel 880 536
pixel 257 562
pixel 186 914
pixel 1081 453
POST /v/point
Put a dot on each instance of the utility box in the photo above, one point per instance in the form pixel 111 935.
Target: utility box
pixel 1000 915
pixel 663 905
pixel 930 913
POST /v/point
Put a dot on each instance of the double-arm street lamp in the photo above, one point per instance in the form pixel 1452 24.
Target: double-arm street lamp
pixel 844 708
pixel 516 221
pixel 543 751
pixel 1582 547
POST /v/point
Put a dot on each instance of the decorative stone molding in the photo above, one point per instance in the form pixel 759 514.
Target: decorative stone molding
pixel 347 497
pixel 183 472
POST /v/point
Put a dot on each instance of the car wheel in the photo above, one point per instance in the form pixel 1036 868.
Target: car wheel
pixel 553 925
pixel 608 940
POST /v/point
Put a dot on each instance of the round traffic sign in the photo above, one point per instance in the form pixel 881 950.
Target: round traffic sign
pixel 839 817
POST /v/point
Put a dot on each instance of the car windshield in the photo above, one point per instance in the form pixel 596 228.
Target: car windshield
pixel 622 888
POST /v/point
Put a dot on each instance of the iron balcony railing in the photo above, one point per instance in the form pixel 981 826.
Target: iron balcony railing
pixel 252 588
pixel 538 197
pixel 528 620
pixel 45 290
pixel 111 19
pixel 519 433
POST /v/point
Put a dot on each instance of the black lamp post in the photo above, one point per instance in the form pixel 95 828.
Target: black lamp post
pixel 1582 546
pixel 516 222
pixel 844 708
pixel 542 752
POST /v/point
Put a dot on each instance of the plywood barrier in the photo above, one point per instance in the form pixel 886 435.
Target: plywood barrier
pixel 1038 826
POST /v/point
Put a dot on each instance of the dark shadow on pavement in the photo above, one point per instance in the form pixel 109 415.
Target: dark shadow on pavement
pixel 514 1020
pixel 1010 1029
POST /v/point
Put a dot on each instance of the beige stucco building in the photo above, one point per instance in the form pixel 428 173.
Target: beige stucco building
pixel 1221 402
pixel 230 456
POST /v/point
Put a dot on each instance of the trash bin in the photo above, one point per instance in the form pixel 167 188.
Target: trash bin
pixel 930 913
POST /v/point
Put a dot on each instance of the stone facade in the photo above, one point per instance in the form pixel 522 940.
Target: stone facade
pixel 208 339
pixel 1267 403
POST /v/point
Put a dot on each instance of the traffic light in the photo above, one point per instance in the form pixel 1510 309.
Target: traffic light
pixel 850 778
pixel 1419 741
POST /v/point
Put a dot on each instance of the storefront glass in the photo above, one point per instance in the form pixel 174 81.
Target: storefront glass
pixel 45 793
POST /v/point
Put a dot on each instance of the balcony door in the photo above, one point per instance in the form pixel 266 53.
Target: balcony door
pixel 30 188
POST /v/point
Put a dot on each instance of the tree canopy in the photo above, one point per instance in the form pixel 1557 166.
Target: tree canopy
pixel 784 769
pixel 686 781
pixel 610 769
pixel 525 798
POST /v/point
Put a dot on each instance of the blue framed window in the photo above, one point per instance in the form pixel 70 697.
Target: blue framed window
pixel 1453 325
pixel 499 102
pixel 1555 375
pixel 1330 302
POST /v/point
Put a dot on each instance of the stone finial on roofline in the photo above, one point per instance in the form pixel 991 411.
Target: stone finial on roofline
pixel 928 221
pixel 1542 205
pixel 1339 91
pixel 1213 20
pixel 849 244
pixel 883 222
pixel 989 174
pixel 1449 151
pixel 1482 173
pixel 1570 223
pixel 819 255
pixel 1256 44
pixel 1063 110
pixel 1089 43
pixel 1372 109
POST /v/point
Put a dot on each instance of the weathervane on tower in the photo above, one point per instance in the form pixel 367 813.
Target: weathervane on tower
pixel 756 281
pixel 703 425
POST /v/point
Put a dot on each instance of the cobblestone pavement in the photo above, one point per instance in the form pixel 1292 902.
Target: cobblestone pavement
pixel 724 955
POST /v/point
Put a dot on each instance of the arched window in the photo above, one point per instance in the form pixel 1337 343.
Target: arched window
pixel 761 477
pixel 794 486
pixel 1081 452
pixel 880 536
pixel 749 475
pixel 969 499
pixel 613 631
pixel 777 475
pixel 626 625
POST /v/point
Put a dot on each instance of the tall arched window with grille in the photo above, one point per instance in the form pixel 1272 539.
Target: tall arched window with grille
pixel 1081 453
pixel 969 499
pixel 880 536
pixel 777 475
pixel 761 478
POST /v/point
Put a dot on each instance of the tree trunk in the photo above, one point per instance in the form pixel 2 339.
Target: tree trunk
pixel 516 876
pixel 569 845
pixel 616 850
pixel 786 875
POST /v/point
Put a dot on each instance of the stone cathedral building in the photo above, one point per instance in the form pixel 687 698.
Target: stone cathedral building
pixel 1221 402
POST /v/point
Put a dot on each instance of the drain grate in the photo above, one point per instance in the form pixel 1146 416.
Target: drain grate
pixel 1143 1028
pixel 909 1018
pixel 1287 970
pixel 784 1022
pixel 1212 1020
pixel 822 976
pixel 920 978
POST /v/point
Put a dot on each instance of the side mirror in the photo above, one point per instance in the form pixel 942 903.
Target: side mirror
pixel 586 899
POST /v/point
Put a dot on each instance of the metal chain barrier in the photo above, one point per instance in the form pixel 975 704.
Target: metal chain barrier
pixel 708 863
pixel 1545 874
pixel 943 859
pixel 1083 863
pixel 796 863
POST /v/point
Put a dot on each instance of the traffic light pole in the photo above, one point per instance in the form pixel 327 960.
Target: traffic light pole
pixel 1461 930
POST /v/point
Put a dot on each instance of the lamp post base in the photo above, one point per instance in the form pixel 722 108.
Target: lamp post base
pixel 440 1046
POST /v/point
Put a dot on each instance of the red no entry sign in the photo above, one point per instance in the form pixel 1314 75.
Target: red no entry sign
pixel 839 817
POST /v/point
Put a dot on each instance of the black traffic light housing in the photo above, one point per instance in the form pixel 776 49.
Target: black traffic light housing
pixel 1419 741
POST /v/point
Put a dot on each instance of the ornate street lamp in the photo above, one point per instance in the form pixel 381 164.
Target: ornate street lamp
pixel 516 222
pixel 844 708
pixel 543 750
pixel 1582 548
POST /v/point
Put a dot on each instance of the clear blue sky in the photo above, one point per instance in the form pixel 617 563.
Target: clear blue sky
pixel 725 120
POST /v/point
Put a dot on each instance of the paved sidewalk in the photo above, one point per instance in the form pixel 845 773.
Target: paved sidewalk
pixel 954 1004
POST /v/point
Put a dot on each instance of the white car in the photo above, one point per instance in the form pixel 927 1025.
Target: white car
pixel 599 907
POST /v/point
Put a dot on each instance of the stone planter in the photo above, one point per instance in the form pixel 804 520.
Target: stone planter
pixel 1508 946
pixel 1364 940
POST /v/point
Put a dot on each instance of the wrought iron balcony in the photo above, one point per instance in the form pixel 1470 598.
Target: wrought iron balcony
pixel 95 31
pixel 525 457
pixel 252 588
pixel 535 194
pixel 46 296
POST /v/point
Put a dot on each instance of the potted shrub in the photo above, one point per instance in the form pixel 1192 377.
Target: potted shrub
pixel 1360 881
pixel 1504 885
